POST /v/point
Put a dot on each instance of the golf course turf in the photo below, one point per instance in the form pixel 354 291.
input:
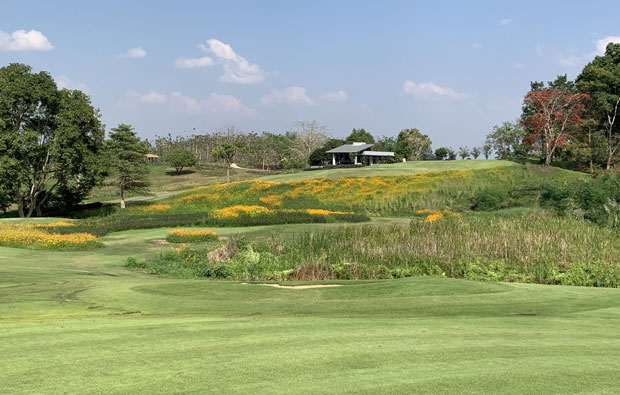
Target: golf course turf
pixel 80 322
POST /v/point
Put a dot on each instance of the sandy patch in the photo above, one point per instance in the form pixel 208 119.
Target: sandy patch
pixel 300 286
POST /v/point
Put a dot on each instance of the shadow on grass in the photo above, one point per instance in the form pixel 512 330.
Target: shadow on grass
pixel 180 173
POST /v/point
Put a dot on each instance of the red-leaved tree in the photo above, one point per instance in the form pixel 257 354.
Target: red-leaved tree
pixel 556 114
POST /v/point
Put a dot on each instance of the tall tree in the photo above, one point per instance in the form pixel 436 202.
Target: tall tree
pixel 308 136
pixel 127 155
pixel 464 152
pixel 413 145
pixel 505 140
pixel 475 152
pixel 385 143
pixel 181 158
pixel 600 79
pixel 556 114
pixel 232 144
pixel 49 141
pixel 360 136
pixel 486 150
pixel 441 153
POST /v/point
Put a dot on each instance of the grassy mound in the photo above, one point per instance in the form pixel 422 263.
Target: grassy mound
pixel 459 190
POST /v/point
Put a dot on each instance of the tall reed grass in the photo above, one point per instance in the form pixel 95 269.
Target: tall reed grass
pixel 538 248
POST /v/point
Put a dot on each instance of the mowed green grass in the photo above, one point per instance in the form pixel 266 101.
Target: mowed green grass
pixel 394 169
pixel 79 322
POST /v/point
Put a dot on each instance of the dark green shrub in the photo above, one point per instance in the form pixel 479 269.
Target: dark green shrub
pixel 489 199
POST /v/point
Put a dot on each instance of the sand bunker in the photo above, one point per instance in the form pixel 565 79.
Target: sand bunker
pixel 300 286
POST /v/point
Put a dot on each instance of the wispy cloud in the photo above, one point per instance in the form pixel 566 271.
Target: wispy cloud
pixel 22 40
pixel 476 45
pixel 237 69
pixel 337 96
pixel 599 49
pixel 430 91
pixel 290 95
pixel 213 104
pixel 134 53
pixel 601 45
pixel 191 63
pixel 505 21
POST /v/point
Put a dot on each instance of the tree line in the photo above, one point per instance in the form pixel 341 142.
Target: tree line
pixel 571 121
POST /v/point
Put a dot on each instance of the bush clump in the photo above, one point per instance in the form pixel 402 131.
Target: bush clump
pixel 596 199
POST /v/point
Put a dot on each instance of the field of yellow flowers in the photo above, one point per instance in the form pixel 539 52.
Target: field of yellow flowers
pixel 319 197
pixel 377 195
pixel 190 236
pixel 39 236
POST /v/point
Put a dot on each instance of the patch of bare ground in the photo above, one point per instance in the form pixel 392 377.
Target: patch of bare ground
pixel 310 286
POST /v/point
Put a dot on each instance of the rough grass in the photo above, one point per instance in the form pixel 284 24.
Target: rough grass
pixel 516 185
pixel 536 248
pixel 77 322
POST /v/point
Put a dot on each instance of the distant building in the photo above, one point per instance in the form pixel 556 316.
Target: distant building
pixel 152 158
pixel 357 154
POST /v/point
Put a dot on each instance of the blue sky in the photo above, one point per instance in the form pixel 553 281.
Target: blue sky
pixel 450 69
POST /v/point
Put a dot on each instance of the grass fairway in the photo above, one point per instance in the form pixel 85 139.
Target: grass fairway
pixel 78 322
pixel 395 169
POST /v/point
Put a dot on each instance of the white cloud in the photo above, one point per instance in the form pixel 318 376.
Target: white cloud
pixel 518 65
pixel 601 44
pixel 151 97
pixel 476 45
pixel 134 53
pixel 599 49
pixel 190 63
pixel 290 95
pixel 64 82
pixel 237 69
pixel 430 90
pixel 21 40
pixel 337 96
pixel 176 101
pixel 505 21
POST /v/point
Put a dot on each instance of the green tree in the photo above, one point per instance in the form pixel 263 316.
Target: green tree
pixel 127 154
pixel 441 153
pixel 464 152
pixel 360 136
pixel 180 159
pixel 50 142
pixel 385 143
pixel 600 79
pixel 276 148
pixel 475 152
pixel 451 154
pixel 506 140
pixel 413 145
pixel 486 150
pixel 227 152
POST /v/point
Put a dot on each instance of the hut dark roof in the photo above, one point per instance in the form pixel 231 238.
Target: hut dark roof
pixel 350 148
